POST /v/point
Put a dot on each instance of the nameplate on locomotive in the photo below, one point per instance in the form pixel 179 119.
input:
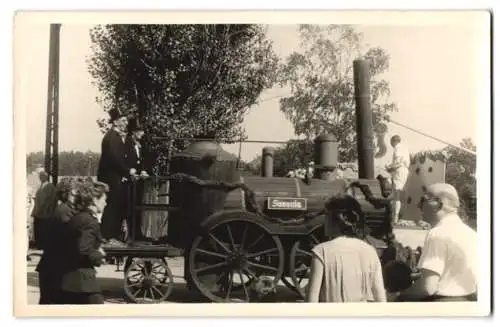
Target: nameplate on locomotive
pixel 286 204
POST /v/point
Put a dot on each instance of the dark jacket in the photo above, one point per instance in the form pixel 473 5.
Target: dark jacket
pixel 139 161
pixel 113 163
pixel 53 253
pixel 83 239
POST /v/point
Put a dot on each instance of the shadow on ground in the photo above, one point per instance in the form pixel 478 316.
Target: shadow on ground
pixel 112 290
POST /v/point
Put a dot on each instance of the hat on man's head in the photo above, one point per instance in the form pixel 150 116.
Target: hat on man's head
pixel 115 114
pixel 134 124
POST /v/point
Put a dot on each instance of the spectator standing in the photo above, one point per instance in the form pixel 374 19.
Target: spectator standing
pixel 448 263
pixel 49 270
pixel 399 169
pixel 83 240
pixel 43 210
pixel 346 268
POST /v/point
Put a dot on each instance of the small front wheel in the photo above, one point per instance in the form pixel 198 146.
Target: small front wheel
pixel 148 280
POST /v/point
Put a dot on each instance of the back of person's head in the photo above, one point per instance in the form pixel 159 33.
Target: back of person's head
pixel 396 139
pixel 44 177
pixel 64 187
pixel 447 195
pixel 86 192
pixel 344 217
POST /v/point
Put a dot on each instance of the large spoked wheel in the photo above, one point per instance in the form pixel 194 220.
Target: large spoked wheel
pixel 300 260
pixel 148 280
pixel 227 260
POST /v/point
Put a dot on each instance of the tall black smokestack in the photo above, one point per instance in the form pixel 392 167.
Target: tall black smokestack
pixel 364 125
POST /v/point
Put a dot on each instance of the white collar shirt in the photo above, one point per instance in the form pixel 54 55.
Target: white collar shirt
pixel 450 250
pixel 401 156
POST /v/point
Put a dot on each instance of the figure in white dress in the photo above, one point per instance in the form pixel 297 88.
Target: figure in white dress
pixel 399 169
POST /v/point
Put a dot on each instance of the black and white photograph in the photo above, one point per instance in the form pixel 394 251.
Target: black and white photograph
pixel 257 158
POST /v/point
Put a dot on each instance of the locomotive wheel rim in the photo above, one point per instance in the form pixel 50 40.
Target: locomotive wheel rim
pixel 148 281
pixel 230 277
pixel 301 273
pixel 288 284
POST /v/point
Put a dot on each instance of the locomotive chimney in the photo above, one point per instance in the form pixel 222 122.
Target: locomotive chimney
pixel 364 125
pixel 267 162
pixel 325 156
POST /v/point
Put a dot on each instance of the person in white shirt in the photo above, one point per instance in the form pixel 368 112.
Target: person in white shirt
pixel 448 261
pixel 399 169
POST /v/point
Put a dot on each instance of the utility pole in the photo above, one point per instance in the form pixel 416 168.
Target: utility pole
pixel 52 122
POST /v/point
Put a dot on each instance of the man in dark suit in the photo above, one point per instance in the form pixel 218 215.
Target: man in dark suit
pixel 43 211
pixel 114 170
pixel 139 161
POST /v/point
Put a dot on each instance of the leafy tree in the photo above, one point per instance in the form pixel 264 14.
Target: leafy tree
pixel 254 166
pixel 34 159
pixel 71 163
pixel 322 85
pixel 460 171
pixel 461 165
pixel 77 163
pixel 182 80
pixel 292 155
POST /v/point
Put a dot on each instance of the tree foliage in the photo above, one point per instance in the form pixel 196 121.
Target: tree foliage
pixel 293 155
pixel 460 172
pixel 322 85
pixel 461 168
pixel 182 80
pixel 71 163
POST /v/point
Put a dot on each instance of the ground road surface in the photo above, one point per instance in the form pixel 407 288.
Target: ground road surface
pixel 112 280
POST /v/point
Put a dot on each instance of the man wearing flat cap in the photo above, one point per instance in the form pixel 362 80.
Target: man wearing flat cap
pixel 448 262
pixel 114 170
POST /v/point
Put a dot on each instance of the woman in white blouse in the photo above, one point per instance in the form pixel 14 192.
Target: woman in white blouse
pixel 346 268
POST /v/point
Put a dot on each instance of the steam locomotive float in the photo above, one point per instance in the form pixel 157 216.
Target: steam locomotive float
pixel 234 231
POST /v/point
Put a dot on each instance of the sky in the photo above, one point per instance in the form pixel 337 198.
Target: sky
pixel 434 78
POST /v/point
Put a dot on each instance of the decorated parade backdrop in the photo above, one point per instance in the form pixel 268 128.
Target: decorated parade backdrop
pixel 425 170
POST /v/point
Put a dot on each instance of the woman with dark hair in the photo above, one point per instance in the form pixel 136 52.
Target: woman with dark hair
pixel 346 268
pixel 83 246
pixel 49 272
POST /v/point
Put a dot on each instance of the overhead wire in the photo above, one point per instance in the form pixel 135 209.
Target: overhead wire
pixel 395 123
